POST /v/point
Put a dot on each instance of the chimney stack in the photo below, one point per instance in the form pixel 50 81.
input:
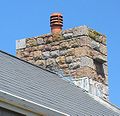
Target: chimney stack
pixel 56 22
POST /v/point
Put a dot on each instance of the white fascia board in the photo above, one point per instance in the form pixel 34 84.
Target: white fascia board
pixel 29 105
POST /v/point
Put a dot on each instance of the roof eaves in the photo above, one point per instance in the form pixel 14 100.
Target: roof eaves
pixel 105 103
pixel 28 105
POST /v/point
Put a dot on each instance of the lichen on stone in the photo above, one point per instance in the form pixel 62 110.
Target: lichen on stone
pixel 96 36
pixel 57 37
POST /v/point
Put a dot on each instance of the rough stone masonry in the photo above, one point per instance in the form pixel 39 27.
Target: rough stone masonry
pixel 78 55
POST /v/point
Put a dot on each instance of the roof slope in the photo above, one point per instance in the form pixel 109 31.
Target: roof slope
pixel 40 86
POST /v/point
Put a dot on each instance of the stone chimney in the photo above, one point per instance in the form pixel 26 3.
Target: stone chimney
pixel 78 55
pixel 56 22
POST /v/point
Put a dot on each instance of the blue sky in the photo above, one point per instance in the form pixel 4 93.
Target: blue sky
pixel 27 18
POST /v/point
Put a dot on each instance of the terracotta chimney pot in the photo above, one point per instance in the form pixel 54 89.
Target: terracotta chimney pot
pixel 56 22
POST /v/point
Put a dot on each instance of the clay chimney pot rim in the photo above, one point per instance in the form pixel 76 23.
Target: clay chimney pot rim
pixel 57 13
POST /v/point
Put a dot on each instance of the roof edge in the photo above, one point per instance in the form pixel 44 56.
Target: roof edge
pixel 29 105
pixel 105 103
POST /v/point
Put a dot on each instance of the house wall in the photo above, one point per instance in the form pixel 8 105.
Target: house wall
pixel 71 54
pixel 7 108
pixel 6 112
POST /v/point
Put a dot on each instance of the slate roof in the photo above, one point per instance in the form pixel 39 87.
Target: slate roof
pixel 46 88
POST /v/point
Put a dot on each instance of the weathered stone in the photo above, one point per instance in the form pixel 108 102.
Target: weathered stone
pixel 40 41
pixel 48 39
pixel 31 42
pixel 86 71
pixel 105 68
pixel 34 48
pixel 57 37
pixel 26 54
pixel 86 61
pixel 54 53
pixel 64 45
pixel 60 59
pixel 62 66
pixel 29 58
pixel 21 50
pixel 106 80
pixel 69 59
pixel 37 55
pixel 103 39
pixel 74 43
pixel 24 58
pixel 41 47
pixel 73 73
pixel 19 54
pixel 103 49
pixel 55 47
pixel 67 72
pixel 70 52
pixel 106 63
pixel 99 78
pixel 95 35
pixel 68 35
pixel 50 62
pixel 20 44
pixel 46 54
pixel 105 90
pixel 31 61
pixel 63 52
pixel 99 57
pixel 47 47
pixel 83 51
pixel 55 43
pixel 74 65
pixel 95 45
pixel 85 41
pixel 76 59
pixel 40 63
pixel 82 30
pixel 31 54
pixel 28 49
